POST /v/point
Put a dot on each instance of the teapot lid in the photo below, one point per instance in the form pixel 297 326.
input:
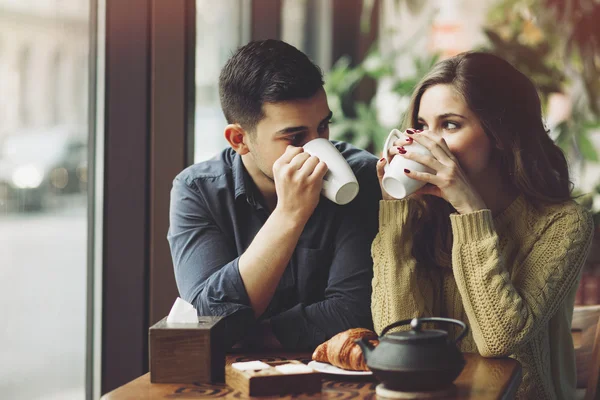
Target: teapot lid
pixel 417 334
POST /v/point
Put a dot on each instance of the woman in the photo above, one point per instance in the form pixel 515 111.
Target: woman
pixel 494 238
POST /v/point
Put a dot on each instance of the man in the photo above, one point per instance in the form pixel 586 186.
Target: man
pixel 250 235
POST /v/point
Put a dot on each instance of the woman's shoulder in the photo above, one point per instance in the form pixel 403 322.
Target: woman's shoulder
pixel 568 215
pixel 566 209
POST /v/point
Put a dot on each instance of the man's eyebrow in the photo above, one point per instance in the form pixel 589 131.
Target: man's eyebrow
pixel 291 129
pixel 296 129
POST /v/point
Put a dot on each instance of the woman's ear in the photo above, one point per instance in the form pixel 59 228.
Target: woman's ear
pixel 237 137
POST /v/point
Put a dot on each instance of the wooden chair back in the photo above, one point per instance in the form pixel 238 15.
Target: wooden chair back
pixel 585 329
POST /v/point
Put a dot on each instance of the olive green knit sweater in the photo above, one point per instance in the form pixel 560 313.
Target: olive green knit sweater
pixel 513 281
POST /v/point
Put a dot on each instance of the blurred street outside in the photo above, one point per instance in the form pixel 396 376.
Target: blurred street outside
pixel 43 268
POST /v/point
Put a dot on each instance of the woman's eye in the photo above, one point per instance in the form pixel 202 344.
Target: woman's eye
pixel 451 125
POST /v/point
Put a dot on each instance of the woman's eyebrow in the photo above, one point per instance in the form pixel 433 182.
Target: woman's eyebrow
pixel 443 116
pixel 447 115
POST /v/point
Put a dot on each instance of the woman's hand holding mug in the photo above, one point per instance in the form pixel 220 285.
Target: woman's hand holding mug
pixel 432 163
pixel 391 170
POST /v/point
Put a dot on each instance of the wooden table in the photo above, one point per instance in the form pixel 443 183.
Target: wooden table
pixel 482 378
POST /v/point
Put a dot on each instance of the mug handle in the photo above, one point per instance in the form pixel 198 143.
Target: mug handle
pixel 393 135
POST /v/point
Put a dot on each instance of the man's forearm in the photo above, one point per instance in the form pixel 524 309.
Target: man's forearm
pixel 306 326
pixel 262 264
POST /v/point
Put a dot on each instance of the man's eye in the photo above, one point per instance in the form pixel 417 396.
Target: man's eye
pixel 295 139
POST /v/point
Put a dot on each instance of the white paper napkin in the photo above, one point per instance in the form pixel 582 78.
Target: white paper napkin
pixel 291 369
pixel 250 365
pixel 182 312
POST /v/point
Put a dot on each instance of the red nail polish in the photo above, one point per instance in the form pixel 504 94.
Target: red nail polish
pixel 409 139
pixel 401 150
pixel 382 159
pixel 410 131
pixel 418 130
pixel 407 171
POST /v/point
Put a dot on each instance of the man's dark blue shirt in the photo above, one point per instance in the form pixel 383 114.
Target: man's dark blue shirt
pixel 216 211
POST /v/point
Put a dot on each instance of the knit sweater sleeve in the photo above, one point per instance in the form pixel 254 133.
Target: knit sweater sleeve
pixel 401 290
pixel 503 313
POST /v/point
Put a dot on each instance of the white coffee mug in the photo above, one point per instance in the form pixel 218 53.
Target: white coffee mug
pixel 339 184
pixel 395 182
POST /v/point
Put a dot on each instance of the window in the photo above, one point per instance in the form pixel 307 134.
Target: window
pixel 43 200
pixel 305 24
pixel 214 45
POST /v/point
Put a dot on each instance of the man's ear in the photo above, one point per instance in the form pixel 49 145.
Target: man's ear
pixel 237 138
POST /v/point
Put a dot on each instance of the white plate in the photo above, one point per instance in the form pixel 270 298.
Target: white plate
pixel 330 369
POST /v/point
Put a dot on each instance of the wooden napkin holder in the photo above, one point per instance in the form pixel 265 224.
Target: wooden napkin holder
pixel 187 353
pixel 271 382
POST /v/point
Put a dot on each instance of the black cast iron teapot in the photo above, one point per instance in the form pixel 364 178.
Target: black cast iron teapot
pixel 416 360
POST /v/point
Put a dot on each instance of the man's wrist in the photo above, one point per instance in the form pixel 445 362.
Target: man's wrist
pixel 290 219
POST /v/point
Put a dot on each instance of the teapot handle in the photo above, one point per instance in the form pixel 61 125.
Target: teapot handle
pixel 395 325
pixel 416 325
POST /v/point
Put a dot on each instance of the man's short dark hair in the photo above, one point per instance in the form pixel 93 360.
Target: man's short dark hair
pixel 266 71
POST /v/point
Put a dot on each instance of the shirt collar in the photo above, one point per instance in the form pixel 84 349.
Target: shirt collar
pixel 238 172
pixel 242 182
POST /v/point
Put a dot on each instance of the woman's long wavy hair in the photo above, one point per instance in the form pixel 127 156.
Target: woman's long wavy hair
pixel 508 107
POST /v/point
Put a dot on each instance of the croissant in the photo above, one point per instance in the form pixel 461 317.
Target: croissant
pixel 320 353
pixel 342 352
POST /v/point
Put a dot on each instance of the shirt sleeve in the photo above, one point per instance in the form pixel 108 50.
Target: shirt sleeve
pixel 206 262
pixel 506 311
pixel 346 301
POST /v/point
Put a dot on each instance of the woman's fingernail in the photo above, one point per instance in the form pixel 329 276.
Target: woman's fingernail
pixel 410 131
pixel 418 130
pixel 407 171
pixel 382 159
pixel 401 150
pixel 409 139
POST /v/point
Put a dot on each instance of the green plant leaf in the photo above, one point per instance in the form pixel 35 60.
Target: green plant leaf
pixel 591 125
pixel 378 73
pixel 588 152
pixel 405 87
pixel 586 200
pixel 342 78
pixel 363 111
pixel 564 139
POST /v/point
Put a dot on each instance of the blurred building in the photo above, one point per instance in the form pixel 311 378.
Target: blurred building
pixel 43 64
